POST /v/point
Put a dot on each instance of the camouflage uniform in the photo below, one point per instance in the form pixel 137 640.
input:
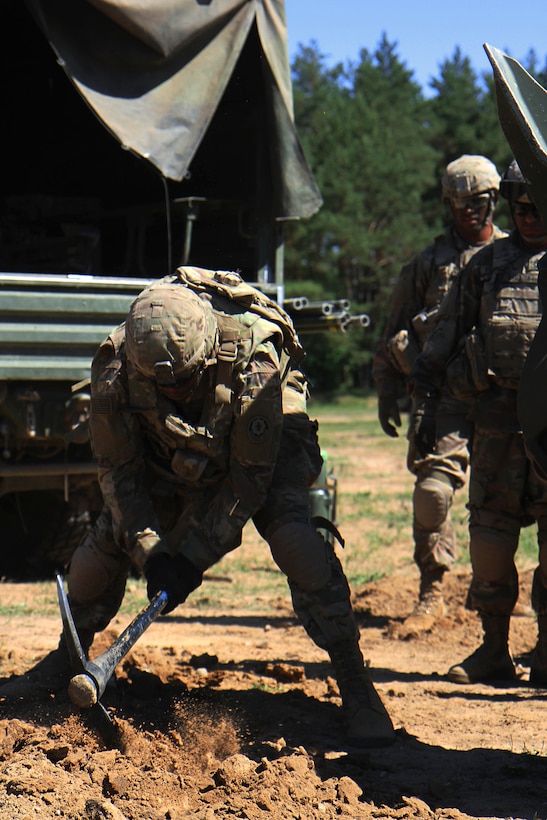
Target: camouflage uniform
pixel 421 287
pixel 184 479
pixel 191 477
pixel 480 342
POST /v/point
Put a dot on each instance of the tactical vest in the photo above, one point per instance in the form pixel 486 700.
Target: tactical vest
pixel 445 262
pixel 510 311
pixel 198 453
pixel 494 351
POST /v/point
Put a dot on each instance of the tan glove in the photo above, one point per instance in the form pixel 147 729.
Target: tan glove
pixel 388 411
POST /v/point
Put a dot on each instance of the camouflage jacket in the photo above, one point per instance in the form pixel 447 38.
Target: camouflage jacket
pixel 224 443
pixel 418 292
pixel 484 327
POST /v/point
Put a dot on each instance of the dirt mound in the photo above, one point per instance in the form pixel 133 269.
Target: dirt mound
pixel 250 727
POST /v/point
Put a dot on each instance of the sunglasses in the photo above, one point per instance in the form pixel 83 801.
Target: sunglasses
pixel 525 208
pixel 473 203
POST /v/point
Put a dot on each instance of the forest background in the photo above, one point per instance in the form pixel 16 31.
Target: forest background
pixel 378 147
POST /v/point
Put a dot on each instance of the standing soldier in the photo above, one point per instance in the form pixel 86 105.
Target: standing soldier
pixel 485 328
pixel 199 424
pixel 470 186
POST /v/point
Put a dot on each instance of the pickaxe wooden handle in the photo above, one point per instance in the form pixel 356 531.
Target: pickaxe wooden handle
pixel 91 678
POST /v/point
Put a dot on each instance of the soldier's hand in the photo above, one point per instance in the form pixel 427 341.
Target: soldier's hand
pixel 422 431
pixel 175 575
pixel 388 411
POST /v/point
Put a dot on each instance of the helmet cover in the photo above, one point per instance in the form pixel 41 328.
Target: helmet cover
pixel 469 175
pixel 170 332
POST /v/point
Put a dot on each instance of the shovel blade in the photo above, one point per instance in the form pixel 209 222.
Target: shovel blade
pixel 78 659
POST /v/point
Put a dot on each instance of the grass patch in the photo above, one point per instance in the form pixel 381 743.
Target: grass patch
pixel 528 544
pixel 272 689
pixel 359 579
pixel 44 602
pixel 331 430
pixel 17 609
pixel 392 511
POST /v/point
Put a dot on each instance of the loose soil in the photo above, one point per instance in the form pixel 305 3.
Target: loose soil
pixel 225 709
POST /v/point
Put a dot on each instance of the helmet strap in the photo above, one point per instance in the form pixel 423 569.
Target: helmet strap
pixel 489 211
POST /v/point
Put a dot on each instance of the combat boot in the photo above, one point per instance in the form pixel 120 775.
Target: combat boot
pixel 366 720
pixel 538 668
pixel 429 608
pixel 492 660
pixel 50 675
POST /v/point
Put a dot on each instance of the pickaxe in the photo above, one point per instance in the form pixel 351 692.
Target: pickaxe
pixel 91 677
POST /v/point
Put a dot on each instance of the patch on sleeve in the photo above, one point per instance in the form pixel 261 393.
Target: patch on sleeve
pixel 258 428
pixel 254 433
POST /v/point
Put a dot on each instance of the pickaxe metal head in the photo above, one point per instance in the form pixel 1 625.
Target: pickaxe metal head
pixel 91 677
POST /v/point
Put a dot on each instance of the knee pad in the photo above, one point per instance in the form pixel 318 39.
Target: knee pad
pixel 301 554
pixel 492 554
pixel 432 501
pixel 92 569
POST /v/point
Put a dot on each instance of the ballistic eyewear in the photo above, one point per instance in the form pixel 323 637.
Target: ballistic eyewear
pixel 472 203
pixel 525 209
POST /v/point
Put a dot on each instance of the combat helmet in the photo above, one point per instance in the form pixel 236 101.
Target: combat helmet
pixel 170 334
pixel 513 183
pixel 469 175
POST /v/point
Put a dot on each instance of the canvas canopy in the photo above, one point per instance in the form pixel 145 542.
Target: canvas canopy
pixel 155 71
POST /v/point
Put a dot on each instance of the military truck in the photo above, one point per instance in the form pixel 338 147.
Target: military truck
pixel 137 136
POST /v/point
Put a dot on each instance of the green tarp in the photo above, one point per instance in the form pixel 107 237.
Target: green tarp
pixel 154 72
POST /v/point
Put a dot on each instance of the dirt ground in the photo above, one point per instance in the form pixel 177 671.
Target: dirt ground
pixel 224 708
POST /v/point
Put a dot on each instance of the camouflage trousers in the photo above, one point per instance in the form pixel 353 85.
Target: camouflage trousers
pixel 438 475
pixel 505 495
pixel 319 589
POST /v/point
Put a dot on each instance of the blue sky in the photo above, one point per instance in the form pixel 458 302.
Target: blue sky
pixel 426 31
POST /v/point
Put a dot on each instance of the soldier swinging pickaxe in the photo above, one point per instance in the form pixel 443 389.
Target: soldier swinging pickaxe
pixel 91 677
